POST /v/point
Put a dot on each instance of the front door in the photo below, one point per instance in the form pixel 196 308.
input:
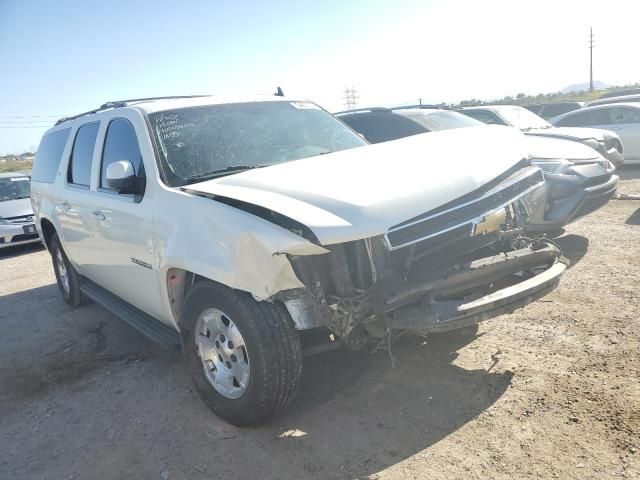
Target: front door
pixel 122 227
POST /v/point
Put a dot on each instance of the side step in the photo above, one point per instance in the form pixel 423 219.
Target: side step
pixel 157 331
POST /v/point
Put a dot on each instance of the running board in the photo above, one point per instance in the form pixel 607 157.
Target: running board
pixel 154 329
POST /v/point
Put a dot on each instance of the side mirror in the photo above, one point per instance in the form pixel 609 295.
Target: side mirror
pixel 121 177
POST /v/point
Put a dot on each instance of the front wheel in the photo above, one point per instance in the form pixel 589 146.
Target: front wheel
pixel 244 356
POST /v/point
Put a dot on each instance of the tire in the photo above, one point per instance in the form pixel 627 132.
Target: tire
pixel 69 288
pixel 271 354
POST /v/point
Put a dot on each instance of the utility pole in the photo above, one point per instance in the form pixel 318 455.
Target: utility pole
pixel 591 59
pixel 420 100
pixel 350 98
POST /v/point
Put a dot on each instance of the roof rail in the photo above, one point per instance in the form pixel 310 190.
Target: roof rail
pixel 425 106
pixel 372 109
pixel 122 103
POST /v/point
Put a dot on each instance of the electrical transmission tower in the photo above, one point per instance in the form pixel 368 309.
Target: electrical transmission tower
pixel 350 98
pixel 591 59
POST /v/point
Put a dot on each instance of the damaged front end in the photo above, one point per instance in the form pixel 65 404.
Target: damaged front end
pixel 460 264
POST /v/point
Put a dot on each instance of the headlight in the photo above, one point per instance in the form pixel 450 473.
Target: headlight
pixel 4 222
pixel 556 165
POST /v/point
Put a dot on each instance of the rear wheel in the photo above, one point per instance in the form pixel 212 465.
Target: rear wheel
pixel 244 356
pixel 66 276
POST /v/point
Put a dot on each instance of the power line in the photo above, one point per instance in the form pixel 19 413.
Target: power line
pixel 24 126
pixel 31 116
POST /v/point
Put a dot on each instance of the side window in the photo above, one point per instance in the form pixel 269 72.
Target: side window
pixel 49 155
pixel 584 118
pixel 618 115
pixel 120 143
pixel 382 128
pixel 484 116
pixel 79 172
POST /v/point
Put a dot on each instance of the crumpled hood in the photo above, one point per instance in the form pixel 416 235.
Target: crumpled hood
pixel 16 208
pixel 358 193
pixel 580 133
pixel 555 148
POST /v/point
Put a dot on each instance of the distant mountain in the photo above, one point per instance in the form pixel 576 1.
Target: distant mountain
pixel 581 87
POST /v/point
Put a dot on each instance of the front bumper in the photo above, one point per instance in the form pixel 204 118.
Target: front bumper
pixel 18 234
pixel 572 196
pixel 501 271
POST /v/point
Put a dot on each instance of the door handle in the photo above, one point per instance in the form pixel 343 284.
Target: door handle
pixel 99 215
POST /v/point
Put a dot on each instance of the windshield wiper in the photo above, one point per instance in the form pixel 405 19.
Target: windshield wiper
pixel 222 172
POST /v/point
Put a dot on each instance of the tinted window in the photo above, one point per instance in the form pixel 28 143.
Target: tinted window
pixel 120 143
pixel 555 109
pixel 484 116
pixel 620 115
pixel 49 155
pixel 584 118
pixel 382 127
pixel 79 172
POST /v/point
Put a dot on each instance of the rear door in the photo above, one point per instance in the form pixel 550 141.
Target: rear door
pixel 122 228
pixel 625 121
pixel 71 208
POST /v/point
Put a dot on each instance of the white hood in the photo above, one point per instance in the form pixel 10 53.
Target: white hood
pixel 555 148
pixel 362 192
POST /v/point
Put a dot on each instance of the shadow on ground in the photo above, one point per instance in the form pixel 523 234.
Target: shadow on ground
pixel 355 416
pixel 629 172
pixel 574 247
pixel 10 252
pixel 634 218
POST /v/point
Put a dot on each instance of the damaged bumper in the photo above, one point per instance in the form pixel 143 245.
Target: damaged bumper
pixel 444 315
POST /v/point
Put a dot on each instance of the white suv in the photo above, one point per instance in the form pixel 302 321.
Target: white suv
pixel 230 225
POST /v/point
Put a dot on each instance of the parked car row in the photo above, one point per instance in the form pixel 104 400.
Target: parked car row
pixel 578 179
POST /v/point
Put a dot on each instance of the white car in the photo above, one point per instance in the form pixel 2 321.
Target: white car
pixel 622 118
pixel 604 141
pixel 16 215
pixel 230 225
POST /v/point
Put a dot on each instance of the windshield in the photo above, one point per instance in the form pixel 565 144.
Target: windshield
pixel 197 143
pixel 440 120
pixel 14 188
pixel 522 118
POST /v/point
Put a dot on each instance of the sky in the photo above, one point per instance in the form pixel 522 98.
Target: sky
pixel 63 57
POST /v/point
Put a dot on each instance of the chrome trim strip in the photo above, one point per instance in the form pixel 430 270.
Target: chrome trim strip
pixel 473 220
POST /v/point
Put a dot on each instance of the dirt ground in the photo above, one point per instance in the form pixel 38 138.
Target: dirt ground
pixel 551 391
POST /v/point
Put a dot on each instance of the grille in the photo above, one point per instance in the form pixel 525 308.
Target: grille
pixel 21 219
pixel 593 181
pixel 429 226
pixel 593 204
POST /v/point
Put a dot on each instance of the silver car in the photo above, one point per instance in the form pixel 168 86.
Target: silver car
pixel 16 215
pixel 604 141
pixel 622 118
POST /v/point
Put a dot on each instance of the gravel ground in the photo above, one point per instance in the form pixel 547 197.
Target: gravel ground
pixel 550 391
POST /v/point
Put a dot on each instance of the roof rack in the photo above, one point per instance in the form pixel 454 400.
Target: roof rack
pixel 123 103
pixel 372 109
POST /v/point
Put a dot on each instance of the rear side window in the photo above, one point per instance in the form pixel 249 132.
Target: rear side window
pixel 584 118
pixel 382 128
pixel 49 155
pixel 555 109
pixel 120 143
pixel 79 172
pixel 484 116
pixel 620 115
